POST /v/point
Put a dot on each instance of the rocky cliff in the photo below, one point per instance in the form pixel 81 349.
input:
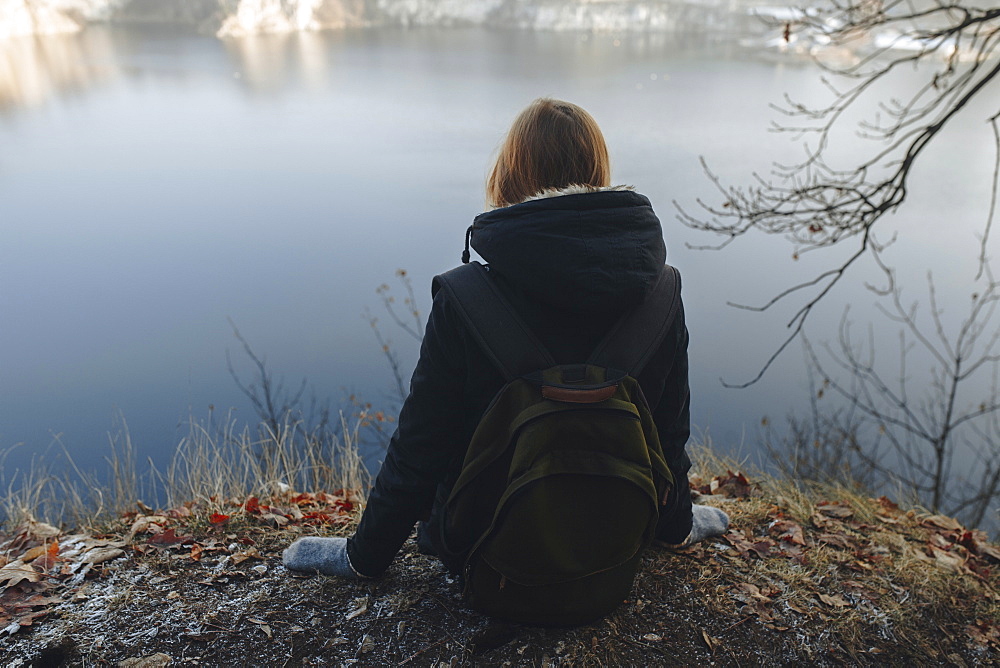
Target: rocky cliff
pixel 243 17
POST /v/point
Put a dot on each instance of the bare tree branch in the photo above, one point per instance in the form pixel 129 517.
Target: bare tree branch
pixel 814 204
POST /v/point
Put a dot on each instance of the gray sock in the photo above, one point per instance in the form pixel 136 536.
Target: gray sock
pixel 707 522
pixel 320 555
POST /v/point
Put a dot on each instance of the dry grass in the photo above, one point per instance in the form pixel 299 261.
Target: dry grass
pixel 869 570
pixel 210 466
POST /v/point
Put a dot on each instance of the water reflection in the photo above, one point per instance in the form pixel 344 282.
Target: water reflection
pixel 268 63
pixel 35 69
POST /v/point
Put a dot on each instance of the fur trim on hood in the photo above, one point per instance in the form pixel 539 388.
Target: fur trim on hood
pixel 575 189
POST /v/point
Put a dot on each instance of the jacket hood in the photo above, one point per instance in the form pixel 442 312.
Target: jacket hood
pixel 589 252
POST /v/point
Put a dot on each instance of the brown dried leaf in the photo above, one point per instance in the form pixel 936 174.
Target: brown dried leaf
pixel 170 538
pixel 146 524
pixel 159 660
pixel 16 572
pixel 731 485
pixel 33 554
pixel 48 560
pixel 947 559
pixel 176 513
pixel 835 539
pixel 942 522
pixel 277 521
pixel 747 592
pixel 835 601
pixel 360 608
pixel 887 505
pixel 41 530
pixel 251 553
pixel 990 551
pixel 837 509
pixel 762 548
pixel 788 531
pixel 101 554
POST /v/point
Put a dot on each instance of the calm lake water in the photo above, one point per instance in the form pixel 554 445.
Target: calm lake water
pixel 154 185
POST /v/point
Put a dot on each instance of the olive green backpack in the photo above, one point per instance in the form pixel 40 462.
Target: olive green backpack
pixel 562 482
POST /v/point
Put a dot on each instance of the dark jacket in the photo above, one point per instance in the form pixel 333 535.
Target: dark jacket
pixel 570 265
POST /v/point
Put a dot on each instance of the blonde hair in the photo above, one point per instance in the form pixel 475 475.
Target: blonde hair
pixel 552 144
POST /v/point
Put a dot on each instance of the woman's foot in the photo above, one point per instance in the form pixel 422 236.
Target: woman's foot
pixel 314 554
pixel 706 522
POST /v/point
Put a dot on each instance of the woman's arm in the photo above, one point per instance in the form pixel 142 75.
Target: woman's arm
pixel 672 416
pixel 428 438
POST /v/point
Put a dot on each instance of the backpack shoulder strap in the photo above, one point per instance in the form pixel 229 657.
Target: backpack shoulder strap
pixel 638 334
pixel 504 337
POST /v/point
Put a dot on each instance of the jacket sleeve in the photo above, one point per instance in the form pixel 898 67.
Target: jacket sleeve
pixel 672 416
pixel 428 437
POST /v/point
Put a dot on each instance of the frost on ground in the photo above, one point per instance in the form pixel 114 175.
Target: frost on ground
pixel 796 580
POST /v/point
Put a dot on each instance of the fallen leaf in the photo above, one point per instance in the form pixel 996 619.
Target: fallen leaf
pixel 101 554
pixel 942 522
pixel 361 607
pixel 990 551
pixel 710 642
pixel 887 504
pixel 835 539
pixel 835 601
pixel 240 557
pixel 976 543
pixel 747 592
pixel 169 538
pixel 16 572
pixel 263 625
pixel 218 518
pixel 278 521
pixel 837 509
pixel 28 618
pixel 42 530
pixel 731 485
pixel 367 644
pixel 33 554
pixel 158 660
pixel 762 548
pixel 146 523
pixel 946 559
pixel 47 561
pixel 252 505
pixel 788 531
pixel 652 637
pixel 176 513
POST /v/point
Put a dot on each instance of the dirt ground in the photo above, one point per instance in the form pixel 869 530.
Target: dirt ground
pixel 836 587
